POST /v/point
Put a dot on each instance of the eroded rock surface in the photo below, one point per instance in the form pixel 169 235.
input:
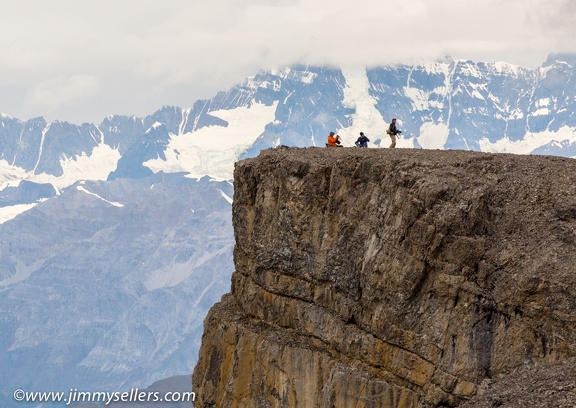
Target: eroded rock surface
pixel 391 278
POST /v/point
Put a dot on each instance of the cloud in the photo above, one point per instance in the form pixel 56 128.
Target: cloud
pixel 60 92
pixel 557 21
pixel 134 56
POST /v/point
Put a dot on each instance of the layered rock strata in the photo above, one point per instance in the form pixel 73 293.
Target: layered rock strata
pixel 390 278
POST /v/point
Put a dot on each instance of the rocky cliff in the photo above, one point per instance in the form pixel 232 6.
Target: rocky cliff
pixel 391 278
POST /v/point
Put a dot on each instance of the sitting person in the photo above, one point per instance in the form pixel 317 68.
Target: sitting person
pixel 333 140
pixel 362 140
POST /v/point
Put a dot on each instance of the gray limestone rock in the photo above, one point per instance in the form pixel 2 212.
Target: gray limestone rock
pixel 391 278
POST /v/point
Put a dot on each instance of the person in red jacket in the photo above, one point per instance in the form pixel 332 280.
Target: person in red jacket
pixel 333 140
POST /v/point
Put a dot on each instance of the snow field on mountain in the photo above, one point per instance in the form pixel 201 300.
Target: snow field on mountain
pixel 366 117
pixel 530 142
pixel 213 150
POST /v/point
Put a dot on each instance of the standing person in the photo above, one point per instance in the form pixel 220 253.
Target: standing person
pixel 362 140
pixel 392 131
pixel 333 140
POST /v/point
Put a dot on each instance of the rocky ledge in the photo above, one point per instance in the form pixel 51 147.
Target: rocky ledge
pixel 391 278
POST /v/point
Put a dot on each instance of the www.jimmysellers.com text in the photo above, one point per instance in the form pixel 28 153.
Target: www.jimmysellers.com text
pixel 73 396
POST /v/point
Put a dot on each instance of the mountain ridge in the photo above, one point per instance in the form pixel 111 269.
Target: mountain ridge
pixel 480 103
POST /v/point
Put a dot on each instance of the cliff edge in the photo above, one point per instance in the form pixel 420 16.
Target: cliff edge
pixel 391 278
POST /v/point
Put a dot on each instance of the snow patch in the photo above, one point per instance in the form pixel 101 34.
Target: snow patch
pixel 306 77
pixel 97 166
pixel 10 175
pixel 506 67
pixel 43 138
pixel 12 211
pixel 366 117
pixel 154 126
pixel 213 150
pixel 516 114
pixel 435 67
pixel 84 190
pixel 541 112
pixel 226 196
pixel 530 142
pixel 421 99
pixel 477 95
pixel 433 135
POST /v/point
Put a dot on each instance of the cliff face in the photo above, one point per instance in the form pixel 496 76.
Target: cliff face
pixel 390 278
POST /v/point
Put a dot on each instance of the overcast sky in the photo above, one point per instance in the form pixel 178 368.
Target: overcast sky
pixel 82 60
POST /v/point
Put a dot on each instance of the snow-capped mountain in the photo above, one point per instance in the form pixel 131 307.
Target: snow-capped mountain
pixel 495 107
pixel 117 237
